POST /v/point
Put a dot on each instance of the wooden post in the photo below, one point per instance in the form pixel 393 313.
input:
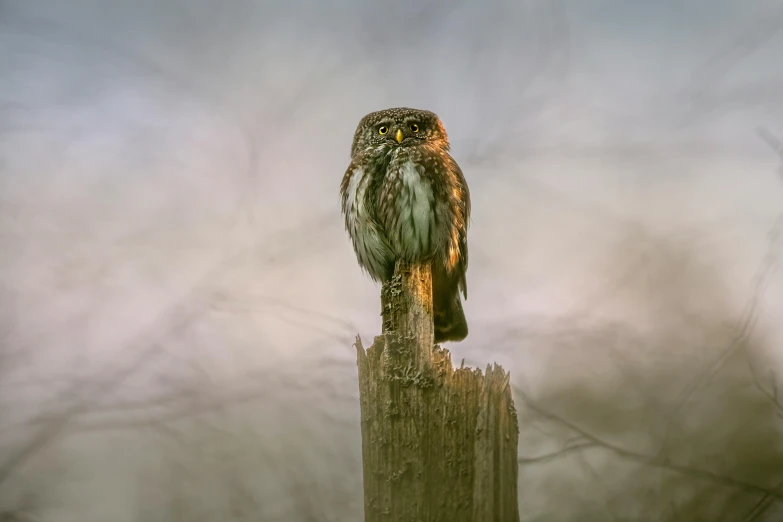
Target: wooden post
pixel 438 444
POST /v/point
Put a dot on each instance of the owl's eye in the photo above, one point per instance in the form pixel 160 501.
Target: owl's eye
pixel 414 127
pixel 383 129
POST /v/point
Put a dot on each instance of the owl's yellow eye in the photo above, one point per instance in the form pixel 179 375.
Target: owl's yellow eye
pixel 414 127
pixel 383 129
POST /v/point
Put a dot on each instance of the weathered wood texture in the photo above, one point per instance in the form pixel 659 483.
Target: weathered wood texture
pixel 438 444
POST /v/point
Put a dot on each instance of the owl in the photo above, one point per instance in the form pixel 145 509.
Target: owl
pixel 404 197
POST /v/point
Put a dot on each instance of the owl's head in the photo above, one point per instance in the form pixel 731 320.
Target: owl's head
pixel 399 127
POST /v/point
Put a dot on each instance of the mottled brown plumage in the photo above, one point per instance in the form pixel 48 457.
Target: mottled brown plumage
pixel 404 197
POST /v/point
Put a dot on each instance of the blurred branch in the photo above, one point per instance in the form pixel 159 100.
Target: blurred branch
pixel 177 317
pixel 761 507
pixel 330 326
pixel 747 323
pixel 187 403
pixel 772 393
pixel 771 140
pixel 776 145
pixel 557 454
pixel 763 28
pixel 650 460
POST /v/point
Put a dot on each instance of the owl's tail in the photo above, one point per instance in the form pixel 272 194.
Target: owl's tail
pixel 449 318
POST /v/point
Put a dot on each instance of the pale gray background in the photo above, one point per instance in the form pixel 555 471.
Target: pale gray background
pixel 178 298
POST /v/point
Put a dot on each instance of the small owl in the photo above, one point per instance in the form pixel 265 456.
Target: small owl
pixel 404 197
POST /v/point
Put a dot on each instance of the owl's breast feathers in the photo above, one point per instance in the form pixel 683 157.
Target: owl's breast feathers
pixel 410 203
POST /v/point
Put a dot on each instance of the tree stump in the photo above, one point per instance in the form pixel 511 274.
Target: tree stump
pixel 438 444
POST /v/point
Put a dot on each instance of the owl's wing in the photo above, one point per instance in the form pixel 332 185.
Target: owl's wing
pixel 348 189
pixel 462 234
pixel 369 241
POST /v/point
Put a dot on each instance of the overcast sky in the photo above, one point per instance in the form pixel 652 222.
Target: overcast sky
pixel 178 297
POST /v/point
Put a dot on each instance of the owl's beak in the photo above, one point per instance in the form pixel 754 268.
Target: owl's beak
pixel 398 136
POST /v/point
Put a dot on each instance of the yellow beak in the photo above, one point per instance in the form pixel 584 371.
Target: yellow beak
pixel 398 136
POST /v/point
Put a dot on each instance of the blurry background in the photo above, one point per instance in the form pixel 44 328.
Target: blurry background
pixel 178 298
